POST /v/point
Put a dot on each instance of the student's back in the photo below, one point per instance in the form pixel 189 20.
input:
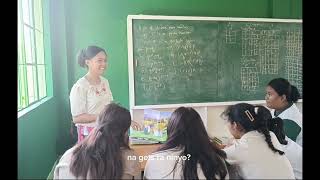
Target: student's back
pixel 256 150
pixel 104 153
pixel 157 168
pixel 131 167
pixel 292 150
pixel 187 138
pixel 256 160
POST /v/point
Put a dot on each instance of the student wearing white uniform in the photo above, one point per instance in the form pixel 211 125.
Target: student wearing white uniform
pixel 292 150
pixel 257 151
pixel 91 93
pixel 104 153
pixel 281 96
pixel 188 139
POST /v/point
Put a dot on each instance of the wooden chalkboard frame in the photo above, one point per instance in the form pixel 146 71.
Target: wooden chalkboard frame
pixel 130 20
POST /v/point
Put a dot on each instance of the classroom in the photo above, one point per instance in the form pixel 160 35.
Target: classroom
pixel 135 35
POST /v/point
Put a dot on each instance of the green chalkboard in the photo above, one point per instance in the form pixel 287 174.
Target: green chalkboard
pixel 199 61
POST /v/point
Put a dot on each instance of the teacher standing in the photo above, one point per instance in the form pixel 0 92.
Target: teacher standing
pixel 90 93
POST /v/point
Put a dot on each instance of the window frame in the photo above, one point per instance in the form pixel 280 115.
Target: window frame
pixel 39 34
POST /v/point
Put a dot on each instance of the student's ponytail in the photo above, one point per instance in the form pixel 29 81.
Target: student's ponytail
pixel 261 126
pixel 294 95
pixel 276 126
pixel 251 118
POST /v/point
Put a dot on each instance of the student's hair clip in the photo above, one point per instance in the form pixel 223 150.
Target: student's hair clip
pixel 249 115
pixel 256 110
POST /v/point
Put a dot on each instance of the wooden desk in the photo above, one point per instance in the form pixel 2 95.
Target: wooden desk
pixel 144 150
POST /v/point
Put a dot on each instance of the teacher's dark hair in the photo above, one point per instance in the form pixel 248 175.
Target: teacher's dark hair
pixel 87 54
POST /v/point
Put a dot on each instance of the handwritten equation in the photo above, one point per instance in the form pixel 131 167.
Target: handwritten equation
pixel 262 46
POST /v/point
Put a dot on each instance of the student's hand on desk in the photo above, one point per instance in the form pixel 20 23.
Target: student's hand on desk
pixel 227 145
pixel 230 143
pixel 136 126
pixel 221 146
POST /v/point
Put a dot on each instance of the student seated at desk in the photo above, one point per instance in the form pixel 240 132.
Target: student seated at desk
pixel 104 153
pixel 281 97
pixel 257 151
pixel 188 139
pixel 292 150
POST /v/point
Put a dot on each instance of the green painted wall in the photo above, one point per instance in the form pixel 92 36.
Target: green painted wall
pixel 44 132
pixel 59 56
pixel 36 141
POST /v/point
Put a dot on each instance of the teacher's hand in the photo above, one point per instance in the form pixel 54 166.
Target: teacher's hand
pixel 136 126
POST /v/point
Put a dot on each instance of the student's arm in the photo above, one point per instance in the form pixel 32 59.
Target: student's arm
pixel 233 152
pixel 84 118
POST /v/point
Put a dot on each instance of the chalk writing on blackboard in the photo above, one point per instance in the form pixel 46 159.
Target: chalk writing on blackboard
pixel 177 61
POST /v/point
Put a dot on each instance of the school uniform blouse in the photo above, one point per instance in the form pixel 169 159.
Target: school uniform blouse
pixel 256 160
pixel 293 152
pixel 90 99
pixel 293 115
pixel 160 166
pixel 130 167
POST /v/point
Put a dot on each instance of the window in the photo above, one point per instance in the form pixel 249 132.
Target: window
pixel 32 66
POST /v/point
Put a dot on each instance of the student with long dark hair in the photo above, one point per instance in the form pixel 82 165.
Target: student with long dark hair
pixel 292 150
pixel 199 158
pixel 257 151
pixel 281 97
pixel 104 153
